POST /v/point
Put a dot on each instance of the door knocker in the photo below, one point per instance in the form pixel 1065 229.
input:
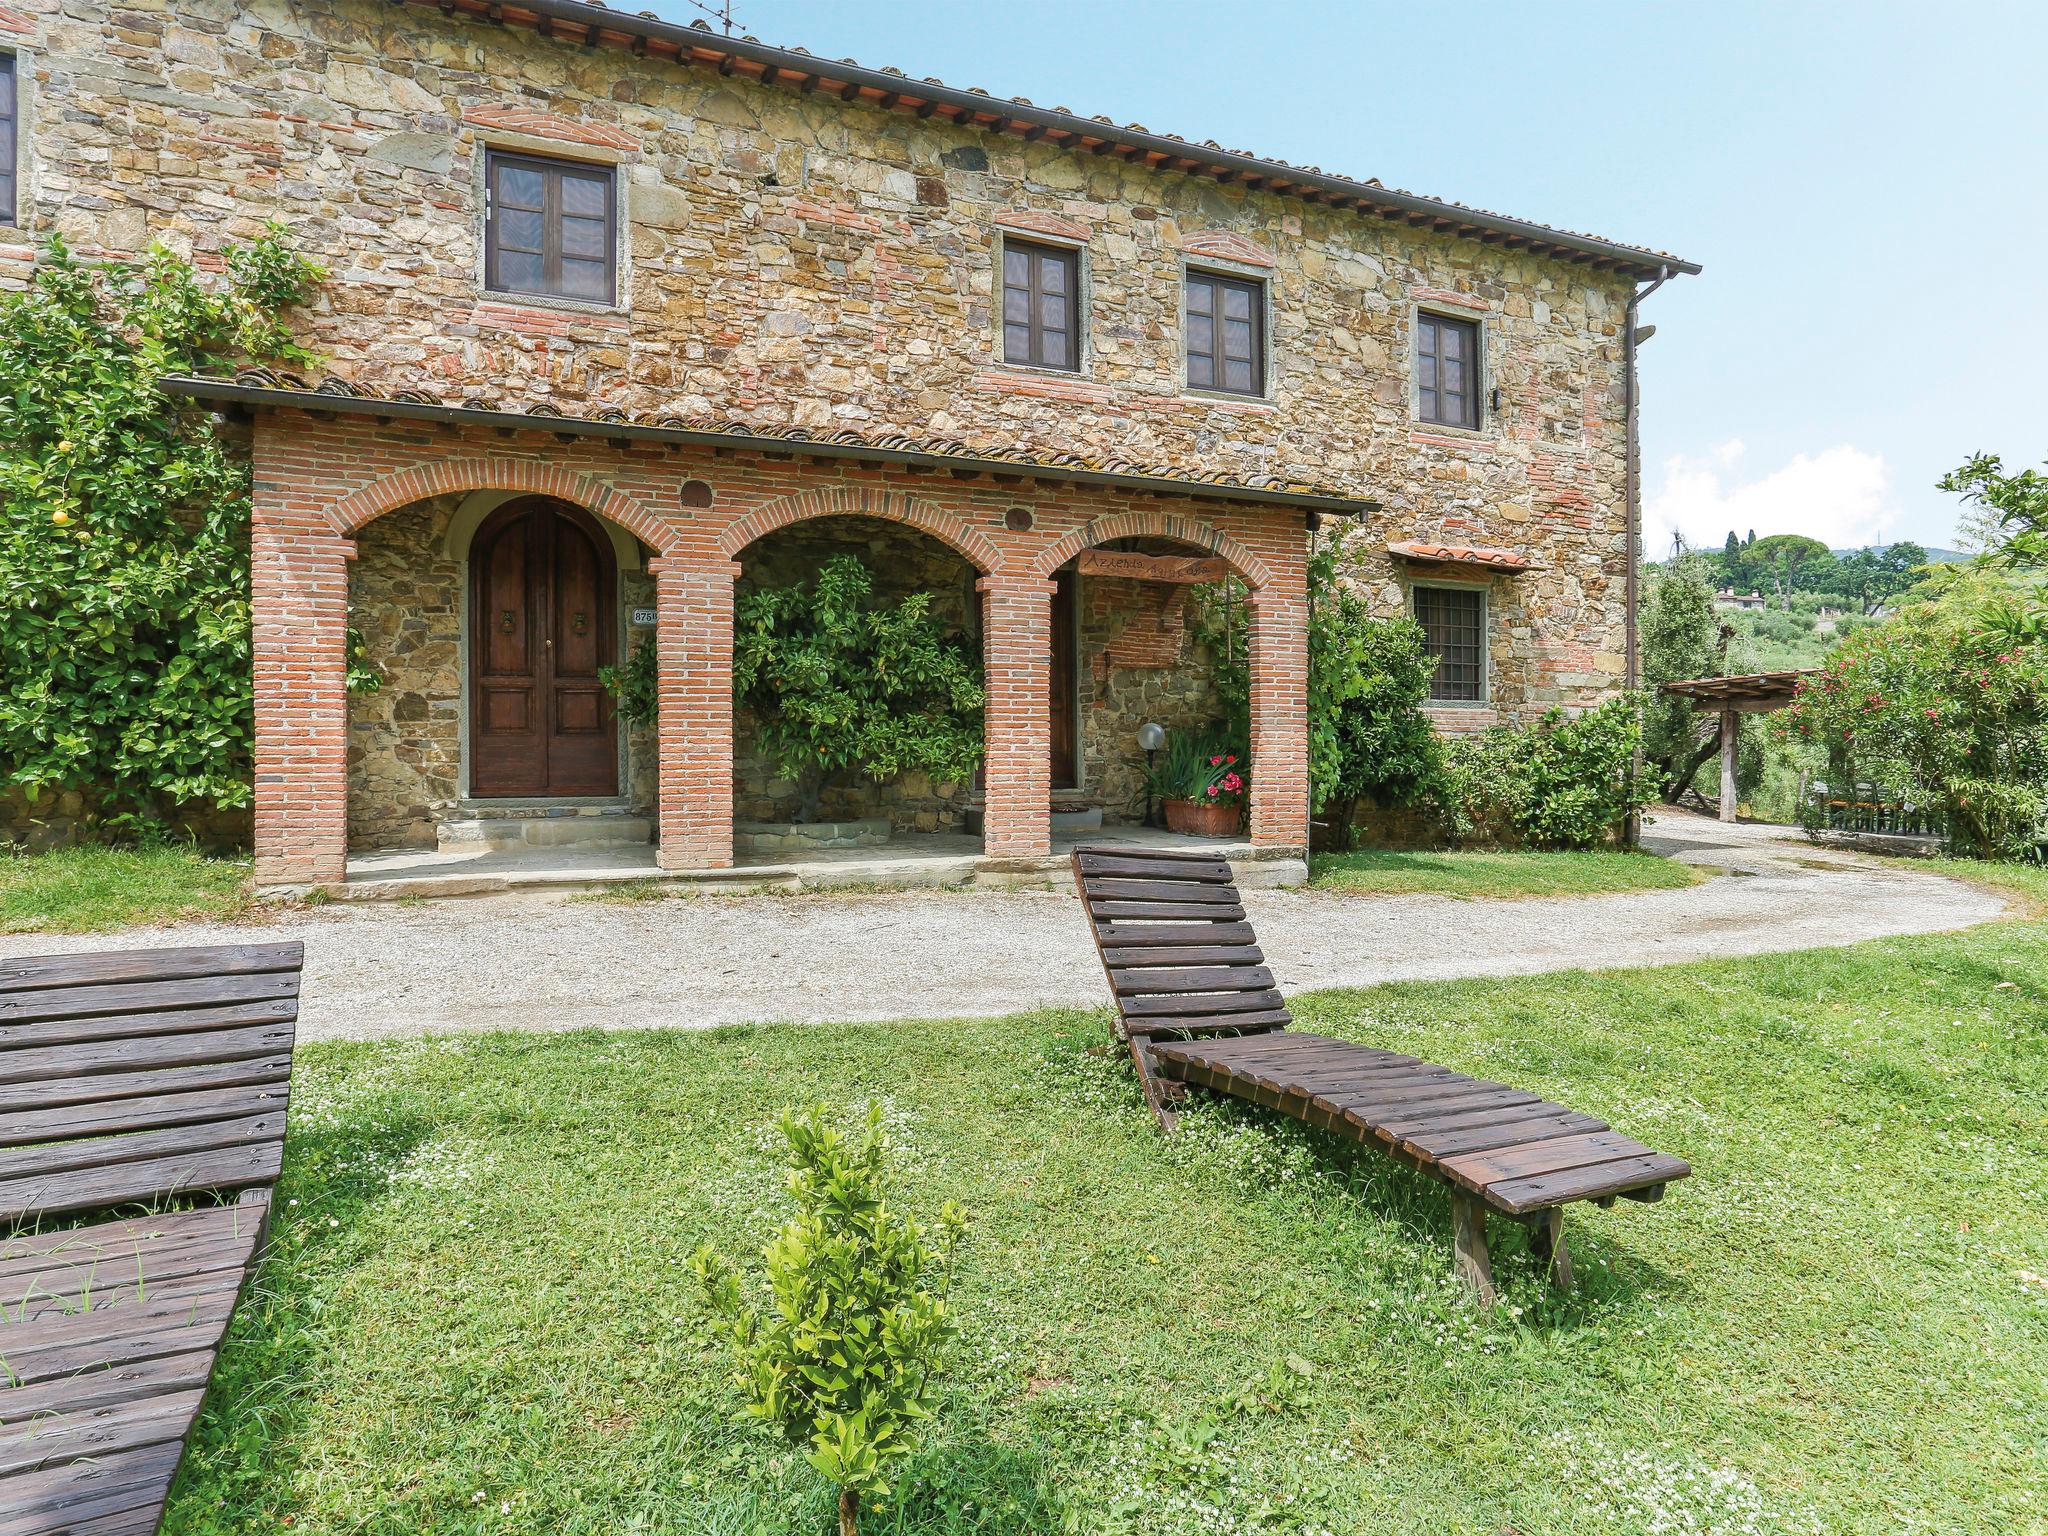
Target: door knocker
pixel 506 623
pixel 577 625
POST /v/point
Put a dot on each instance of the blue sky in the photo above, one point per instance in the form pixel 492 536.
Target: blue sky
pixel 1866 185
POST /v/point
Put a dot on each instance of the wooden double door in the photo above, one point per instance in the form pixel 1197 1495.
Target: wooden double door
pixel 543 619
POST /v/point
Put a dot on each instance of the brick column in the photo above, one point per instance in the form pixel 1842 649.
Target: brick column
pixel 1017 630
pixel 1279 683
pixel 299 616
pixel 693 639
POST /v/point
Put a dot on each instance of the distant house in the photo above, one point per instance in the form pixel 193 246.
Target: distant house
pixel 625 312
pixel 1739 601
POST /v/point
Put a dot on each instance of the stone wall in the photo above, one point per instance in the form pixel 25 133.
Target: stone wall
pixel 796 259
pixel 407 598
pixel 1138 661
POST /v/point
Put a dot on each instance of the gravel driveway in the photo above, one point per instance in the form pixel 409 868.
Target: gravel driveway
pixel 541 962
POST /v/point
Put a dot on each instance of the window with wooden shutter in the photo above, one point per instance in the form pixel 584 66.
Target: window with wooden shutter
pixel 1447 371
pixel 1226 341
pixel 552 228
pixel 1041 306
pixel 10 129
pixel 1453 621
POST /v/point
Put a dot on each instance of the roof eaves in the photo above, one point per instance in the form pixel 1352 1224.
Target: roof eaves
pixel 1097 135
pixel 258 389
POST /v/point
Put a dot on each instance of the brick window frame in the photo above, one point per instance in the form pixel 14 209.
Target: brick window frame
pixel 1082 299
pixel 1435 617
pixel 493 142
pixel 13 136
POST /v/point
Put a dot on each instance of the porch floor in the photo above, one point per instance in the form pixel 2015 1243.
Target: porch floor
pixel 908 860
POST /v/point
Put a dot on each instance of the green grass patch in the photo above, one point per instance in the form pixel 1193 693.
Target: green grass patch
pixel 94 890
pixel 476 1316
pixel 1384 872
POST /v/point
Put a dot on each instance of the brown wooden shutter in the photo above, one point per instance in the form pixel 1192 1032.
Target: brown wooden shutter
pixel 1041 306
pixel 1447 369
pixel 1226 334
pixel 552 228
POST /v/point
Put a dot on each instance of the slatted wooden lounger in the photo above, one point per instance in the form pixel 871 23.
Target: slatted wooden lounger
pixel 129 1082
pixel 1197 1005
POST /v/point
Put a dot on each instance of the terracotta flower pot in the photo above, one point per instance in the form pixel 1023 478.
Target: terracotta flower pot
pixel 1201 819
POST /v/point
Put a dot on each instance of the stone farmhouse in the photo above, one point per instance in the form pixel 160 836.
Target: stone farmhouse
pixel 624 315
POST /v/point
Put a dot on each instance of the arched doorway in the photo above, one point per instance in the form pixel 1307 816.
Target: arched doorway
pixel 542 579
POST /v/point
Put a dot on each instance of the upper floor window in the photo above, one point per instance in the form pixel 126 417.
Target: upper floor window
pixel 1453 621
pixel 1041 287
pixel 1447 371
pixel 10 119
pixel 1226 334
pixel 551 228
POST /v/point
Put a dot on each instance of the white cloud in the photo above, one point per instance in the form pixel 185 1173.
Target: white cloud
pixel 1841 496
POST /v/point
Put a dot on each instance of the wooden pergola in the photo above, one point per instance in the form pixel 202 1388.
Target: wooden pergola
pixel 1754 693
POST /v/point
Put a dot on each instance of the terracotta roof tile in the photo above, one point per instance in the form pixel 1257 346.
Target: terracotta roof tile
pixel 1506 560
pixel 281 389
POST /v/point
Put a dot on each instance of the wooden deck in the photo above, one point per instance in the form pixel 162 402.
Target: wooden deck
pixel 1198 1007
pixel 149 1079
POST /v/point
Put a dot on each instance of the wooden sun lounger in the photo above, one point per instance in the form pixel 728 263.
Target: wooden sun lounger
pixel 1197 1005
pixel 128 1082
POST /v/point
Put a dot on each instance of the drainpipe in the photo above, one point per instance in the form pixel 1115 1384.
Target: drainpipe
pixel 1632 471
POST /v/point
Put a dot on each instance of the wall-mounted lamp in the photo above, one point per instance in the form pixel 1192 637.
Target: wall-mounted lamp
pixel 1151 737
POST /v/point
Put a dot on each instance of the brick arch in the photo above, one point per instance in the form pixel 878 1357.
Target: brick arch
pixel 862 501
pixel 1155 525
pixel 460 476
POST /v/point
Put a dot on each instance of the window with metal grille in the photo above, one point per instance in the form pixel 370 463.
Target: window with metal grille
pixel 1226 334
pixel 1041 295
pixel 1453 621
pixel 552 228
pixel 1447 371
pixel 10 128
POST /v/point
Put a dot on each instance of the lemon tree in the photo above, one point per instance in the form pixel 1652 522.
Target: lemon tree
pixel 124 526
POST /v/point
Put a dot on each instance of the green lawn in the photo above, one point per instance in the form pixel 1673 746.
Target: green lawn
pixel 477 1318
pixel 94 890
pixel 1382 872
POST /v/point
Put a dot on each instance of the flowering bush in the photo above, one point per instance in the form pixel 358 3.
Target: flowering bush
pixel 1942 713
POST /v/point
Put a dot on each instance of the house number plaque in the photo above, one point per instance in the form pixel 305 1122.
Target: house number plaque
pixel 642 618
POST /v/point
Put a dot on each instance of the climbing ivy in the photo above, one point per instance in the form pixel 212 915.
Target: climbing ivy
pixel 124 525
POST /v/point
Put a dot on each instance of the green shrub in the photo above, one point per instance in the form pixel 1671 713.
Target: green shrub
pixel 1568 782
pixel 635 683
pixel 1387 752
pixel 124 527
pixel 844 1354
pixel 839 682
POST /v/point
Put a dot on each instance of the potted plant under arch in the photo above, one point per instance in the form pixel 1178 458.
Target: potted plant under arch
pixel 1202 787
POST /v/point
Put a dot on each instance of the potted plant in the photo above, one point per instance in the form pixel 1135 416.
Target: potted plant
pixel 1202 786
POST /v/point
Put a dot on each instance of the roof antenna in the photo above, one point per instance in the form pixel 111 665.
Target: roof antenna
pixel 720 13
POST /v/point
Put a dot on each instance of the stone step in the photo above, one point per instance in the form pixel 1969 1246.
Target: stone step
pixel 794 839
pixel 1064 819
pixel 500 834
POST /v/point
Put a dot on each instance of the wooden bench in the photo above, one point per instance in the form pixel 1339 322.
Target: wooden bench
pixel 149 1086
pixel 1197 1005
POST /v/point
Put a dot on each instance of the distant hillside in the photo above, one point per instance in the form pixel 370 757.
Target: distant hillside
pixel 1934 556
